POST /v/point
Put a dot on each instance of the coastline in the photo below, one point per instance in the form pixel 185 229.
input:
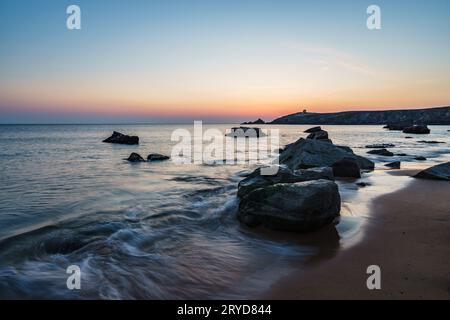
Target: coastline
pixel 407 236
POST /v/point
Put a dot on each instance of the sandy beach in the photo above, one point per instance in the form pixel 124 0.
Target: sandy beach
pixel 407 235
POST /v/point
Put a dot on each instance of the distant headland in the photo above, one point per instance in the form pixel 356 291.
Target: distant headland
pixel 429 116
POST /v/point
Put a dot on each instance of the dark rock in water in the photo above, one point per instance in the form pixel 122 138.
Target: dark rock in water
pixel 408 137
pixel 380 146
pixel 439 172
pixel 420 158
pixel 401 154
pixel 399 126
pixel 135 157
pixel 157 157
pixel 308 153
pixel 259 121
pixel 393 165
pixel 284 175
pixel 245 132
pixel 318 135
pixel 430 142
pixel 302 206
pixel 313 129
pixel 347 168
pixel 381 152
pixel 121 138
pixel 417 129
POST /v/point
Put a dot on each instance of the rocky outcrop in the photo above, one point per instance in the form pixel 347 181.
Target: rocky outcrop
pixel 157 157
pixel 399 126
pixel 417 129
pixel 259 121
pixel 399 118
pixel 381 152
pixel 439 172
pixel 307 153
pixel 121 138
pixel 135 157
pixel 313 129
pixel 346 168
pixel 302 206
pixel 284 175
pixel 319 135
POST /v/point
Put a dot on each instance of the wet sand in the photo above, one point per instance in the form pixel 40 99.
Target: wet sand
pixel 407 235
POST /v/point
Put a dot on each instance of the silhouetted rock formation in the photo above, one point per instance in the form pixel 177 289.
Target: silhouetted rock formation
pixel 417 129
pixel 259 121
pixel 402 118
pixel 121 138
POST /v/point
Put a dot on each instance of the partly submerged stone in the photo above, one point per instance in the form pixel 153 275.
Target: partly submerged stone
pixel 121 138
pixel 135 157
pixel 439 172
pixel 157 157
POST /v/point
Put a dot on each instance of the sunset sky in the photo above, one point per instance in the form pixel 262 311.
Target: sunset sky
pixel 217 60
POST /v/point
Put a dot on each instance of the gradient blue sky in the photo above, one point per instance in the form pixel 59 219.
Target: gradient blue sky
pixel 171 61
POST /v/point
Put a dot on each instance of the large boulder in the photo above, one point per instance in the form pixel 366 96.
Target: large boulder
pixel 417 129
pixel 284 175
pixel 121 138
pixel 439 172
pixel 318 135
pixel 313 129
pixel 307 153
pixel 346 168
pixel 381 152
pixel 302 206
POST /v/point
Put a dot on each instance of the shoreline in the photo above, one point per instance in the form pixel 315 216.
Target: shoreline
pixel 407 235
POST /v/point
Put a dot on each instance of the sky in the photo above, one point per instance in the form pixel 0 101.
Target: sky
pixel 217 60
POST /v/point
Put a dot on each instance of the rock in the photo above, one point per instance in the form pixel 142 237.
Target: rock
pixel 420 158
pixel 439 172
pixel 259 121
pixel 346 168
pixel 417 129
pixel 401 154
pixel 313 129
pixel 398 126
pixel 363 184
pixel 135 157
pixel 318 135
pixel 308 153
pixel 393 165
pixel 407 137
pixel 381 152
pixel 345 148
pixel 284 175
pixel 430 142
pixel 380 146
pixel 302 206
pixel 121 138
pixel 157 157
pixel 245 132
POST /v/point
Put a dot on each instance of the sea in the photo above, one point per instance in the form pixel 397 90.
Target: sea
pixel 163 230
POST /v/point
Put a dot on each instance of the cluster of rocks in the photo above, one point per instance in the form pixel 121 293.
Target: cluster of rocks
pixel 245 132
pixel 302 196
pixel 408 127
pixel 136 157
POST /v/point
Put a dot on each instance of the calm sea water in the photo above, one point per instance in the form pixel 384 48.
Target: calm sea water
pixel 157 230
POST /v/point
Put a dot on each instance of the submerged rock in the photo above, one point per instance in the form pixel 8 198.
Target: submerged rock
pixel 313 129
pixel 347 168
pixel 157 157
pixel 380 146
pixel 308 153
pixel 302 206
pixel 284 175
pixel 430 142
pixel 381 152
pixel 121 138
pixel 420 158
pixel 401 154
pixel 393 165
pixel 417 129
pixel 135 157
pixel 439 172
